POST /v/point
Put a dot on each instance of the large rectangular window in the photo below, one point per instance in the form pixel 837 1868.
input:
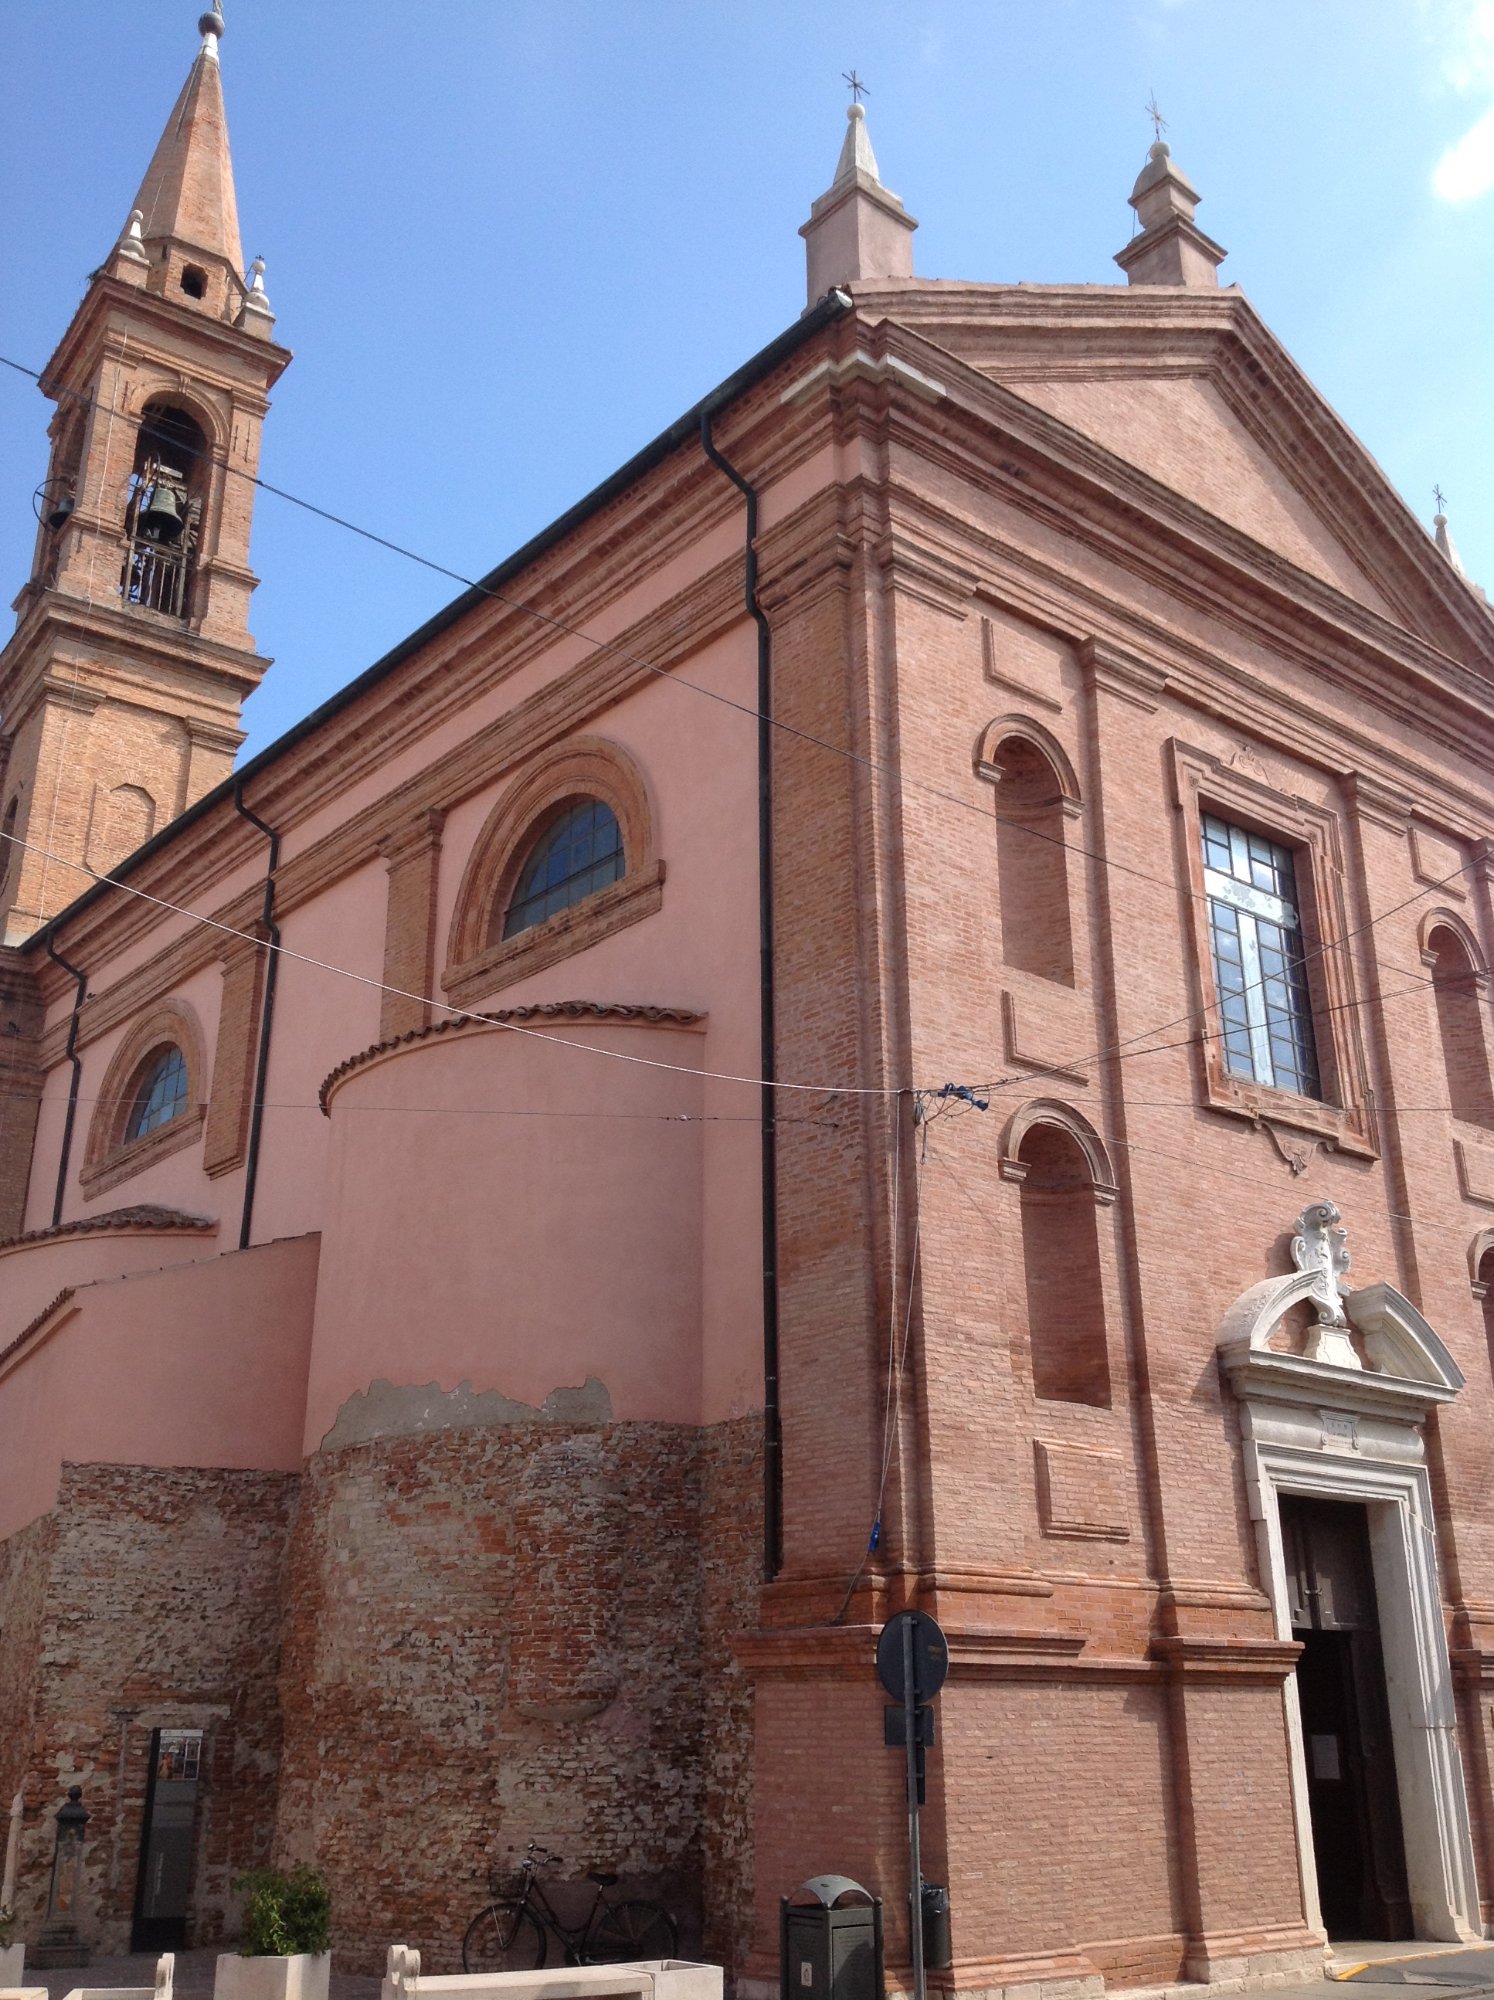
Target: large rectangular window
pixel 1256 935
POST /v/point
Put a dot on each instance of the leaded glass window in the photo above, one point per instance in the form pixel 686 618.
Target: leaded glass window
pixel 161 1094
pixel 577 854
pixel 1255 931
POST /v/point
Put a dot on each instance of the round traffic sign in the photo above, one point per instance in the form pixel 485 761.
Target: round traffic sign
pixel 930 1656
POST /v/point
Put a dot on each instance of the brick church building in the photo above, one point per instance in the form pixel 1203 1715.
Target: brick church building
pixel 497 1303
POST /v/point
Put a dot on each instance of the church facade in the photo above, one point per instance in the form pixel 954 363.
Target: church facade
pixel 893 1013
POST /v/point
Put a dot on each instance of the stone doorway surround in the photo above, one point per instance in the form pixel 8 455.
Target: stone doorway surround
pixel 1343 1420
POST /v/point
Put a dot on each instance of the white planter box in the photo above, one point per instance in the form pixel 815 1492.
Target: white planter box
pixel 12 1964
pixel 302 1977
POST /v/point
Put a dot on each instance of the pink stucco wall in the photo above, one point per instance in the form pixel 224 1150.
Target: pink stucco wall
pixel 32 1274
pixel 203 1364
pixel 517 1214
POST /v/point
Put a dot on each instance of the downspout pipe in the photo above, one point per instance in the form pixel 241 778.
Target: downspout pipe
pixel 266 1012
pixel 772 1421
pixel 76 1060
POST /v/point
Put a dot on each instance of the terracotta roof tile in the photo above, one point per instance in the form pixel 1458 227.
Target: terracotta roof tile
pixel 543 1010
pixel 145 1215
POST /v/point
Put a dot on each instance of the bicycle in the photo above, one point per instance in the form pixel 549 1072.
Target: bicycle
pixel 512 1934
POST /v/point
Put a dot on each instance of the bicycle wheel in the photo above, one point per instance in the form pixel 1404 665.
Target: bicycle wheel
pixel 505 1937
pixel 625 1932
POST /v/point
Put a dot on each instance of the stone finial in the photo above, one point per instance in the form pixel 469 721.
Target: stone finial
pixel 1448 548
pixel 1171 249
pixel 131 243
pixel 857 228
pixel 1442 536
pixel 255 314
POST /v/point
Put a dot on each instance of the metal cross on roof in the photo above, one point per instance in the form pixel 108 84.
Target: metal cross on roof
pixel 858 88
pixel 1153 111
pixel 1441 498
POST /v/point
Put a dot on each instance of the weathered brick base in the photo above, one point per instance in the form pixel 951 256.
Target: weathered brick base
pixel 506 1633
pixel 145 1599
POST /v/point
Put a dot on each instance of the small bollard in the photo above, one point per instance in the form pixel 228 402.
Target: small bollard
pixel 60 1942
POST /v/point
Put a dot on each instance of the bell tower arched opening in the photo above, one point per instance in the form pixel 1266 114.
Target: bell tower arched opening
pixel 163 514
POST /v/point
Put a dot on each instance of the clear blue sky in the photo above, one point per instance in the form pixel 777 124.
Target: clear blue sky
pixel 510 240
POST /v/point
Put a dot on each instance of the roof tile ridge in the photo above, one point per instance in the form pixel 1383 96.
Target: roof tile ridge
pixel 143 1215
pixel 601 1010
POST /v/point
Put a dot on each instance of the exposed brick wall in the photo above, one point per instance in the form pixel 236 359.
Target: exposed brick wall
pixel 508 1633
pixel 147 1599
pixel 20 1081
pixel 414 857
pixel 227 1131
pixel 25 1566
pixel 732 1513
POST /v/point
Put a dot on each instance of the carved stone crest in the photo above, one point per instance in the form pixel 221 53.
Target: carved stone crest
pixel 1320 1250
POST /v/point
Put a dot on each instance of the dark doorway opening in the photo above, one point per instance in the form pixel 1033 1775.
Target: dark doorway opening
pixel 1352 1794
pixel 165 1878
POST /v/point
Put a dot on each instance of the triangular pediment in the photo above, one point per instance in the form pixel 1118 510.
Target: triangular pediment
pixel 1190 389
pixel 1179 429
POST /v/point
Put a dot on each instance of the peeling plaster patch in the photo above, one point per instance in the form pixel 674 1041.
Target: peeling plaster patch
pixel 383 1410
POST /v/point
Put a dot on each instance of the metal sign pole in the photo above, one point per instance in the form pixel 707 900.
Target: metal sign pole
pixel 915 1858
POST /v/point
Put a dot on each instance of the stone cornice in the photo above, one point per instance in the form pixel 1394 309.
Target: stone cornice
pixel 53 616
pixel 106 296
pixel 1203 677
pixel 1131 518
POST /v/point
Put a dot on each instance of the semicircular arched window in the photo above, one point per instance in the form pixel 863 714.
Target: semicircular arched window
pixel 161 1092
pixel 578 852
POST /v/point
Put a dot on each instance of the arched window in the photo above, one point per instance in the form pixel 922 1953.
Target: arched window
pixel 164 510
pixel 1032 804
pixel 577 853
pixel 565 858
pixel 1061 1264
pixel 151 1099
pixel 160 1093
pixel 1460 1023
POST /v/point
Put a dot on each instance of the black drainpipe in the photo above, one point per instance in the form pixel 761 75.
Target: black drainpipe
pixel 266 1015
pixel 77 1062
pixel 772 1425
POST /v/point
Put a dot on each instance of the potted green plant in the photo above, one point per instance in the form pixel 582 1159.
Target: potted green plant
pixel 284 1950
pixel 12 1956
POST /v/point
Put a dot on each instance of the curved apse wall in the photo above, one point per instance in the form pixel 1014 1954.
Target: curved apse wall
pixel 512 1213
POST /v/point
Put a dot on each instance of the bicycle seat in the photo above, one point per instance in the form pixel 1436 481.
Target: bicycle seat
pixel 602 1879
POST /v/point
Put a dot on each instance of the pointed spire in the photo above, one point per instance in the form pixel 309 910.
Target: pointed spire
pixel 1171 249
pixel 857 228
pixel 187 195
pixel 856 155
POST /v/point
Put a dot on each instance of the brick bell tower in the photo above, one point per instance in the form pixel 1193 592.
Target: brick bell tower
pixel 121 688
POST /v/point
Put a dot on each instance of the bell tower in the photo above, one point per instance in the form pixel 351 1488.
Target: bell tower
pixel 121 688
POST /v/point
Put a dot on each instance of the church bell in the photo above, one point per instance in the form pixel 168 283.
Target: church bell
pixel 164 515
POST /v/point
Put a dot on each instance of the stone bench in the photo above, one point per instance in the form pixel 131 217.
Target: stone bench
pixel 648 1979
pixel 162 1990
